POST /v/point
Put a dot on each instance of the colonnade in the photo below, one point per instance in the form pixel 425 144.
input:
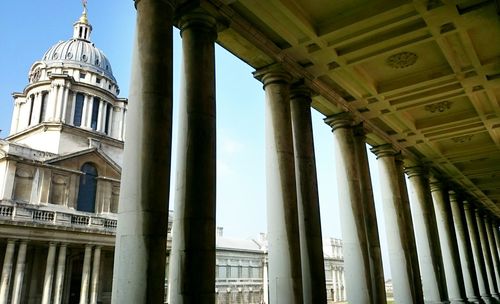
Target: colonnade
pixel 54 275
pixel 58 105
pixel 418 234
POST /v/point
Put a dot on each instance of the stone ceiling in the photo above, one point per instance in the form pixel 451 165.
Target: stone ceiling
pixel 422 75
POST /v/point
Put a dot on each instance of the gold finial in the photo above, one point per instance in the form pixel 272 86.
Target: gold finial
pixel 83 18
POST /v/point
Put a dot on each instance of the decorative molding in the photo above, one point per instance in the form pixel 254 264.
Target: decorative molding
pixel 462 139
pixel 401 60
pixel 439 106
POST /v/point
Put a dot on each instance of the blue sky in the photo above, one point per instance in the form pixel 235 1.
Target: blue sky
pixel 28 28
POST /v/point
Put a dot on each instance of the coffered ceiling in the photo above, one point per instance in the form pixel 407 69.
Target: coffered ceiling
pixel 423 75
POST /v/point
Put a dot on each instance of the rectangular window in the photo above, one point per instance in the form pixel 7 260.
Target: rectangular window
pixel 234 272
pixel 98 80
pixel 82 75
pixel 77 118
pixel 108 114
pixel 43 107
pixel 95 113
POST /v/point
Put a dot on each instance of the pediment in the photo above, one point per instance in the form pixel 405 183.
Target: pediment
pixel 105 166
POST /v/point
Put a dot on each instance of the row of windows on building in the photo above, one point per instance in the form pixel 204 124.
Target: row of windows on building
pixel 78 111
pixel 238 272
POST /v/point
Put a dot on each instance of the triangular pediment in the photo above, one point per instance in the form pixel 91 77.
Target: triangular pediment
pixel 106 167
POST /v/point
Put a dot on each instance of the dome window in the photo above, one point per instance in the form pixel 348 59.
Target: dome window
pixel 97 61
pixel 55 56
pixel 69 55
pixel 84 57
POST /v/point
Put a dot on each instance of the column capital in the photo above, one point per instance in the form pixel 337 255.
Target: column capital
pixel 384 151
pixel 168 2
pixel 199 19
pixel 300 91
pixel 274 73
pixel 437 185
pixel 340 120
pixel 417 171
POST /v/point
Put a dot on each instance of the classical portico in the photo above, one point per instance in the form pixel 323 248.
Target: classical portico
pixel 406 78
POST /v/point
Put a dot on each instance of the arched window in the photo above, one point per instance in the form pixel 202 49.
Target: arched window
pixel 87 191
pixel 77 118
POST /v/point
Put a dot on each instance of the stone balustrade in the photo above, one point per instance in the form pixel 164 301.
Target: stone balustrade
pixel 40 214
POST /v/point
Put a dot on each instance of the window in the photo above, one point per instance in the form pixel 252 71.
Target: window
pixel 77 118
pixel 95 113
pixel 32 102
pixel 87 190
pixel 108 114
pixel 82 75
pixel 43 106
pixel 98 80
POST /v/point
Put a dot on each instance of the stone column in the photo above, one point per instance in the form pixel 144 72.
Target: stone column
pixel 427 238
pixel 496 234
pixel 265 281
pixel 285 270
pixel 397 228
pixel 448 243
pixel 90 109
pixel 85 110
pixel 19 273
pixel 61 266
pixel 493 248
pixel 8 261
pixel 65 104
pixel 192 258
pixel 141 238
pixel 359 276
pixel 477 253
pixel 100 115
pixel 94 284
pixel 311 244
pixel 84 287
pixel 370 217
pixel 52 102
pixel 60 102
pixel 49 274
pixel 72 109
pixel 36 109
pixel 464 249
pixel 485 248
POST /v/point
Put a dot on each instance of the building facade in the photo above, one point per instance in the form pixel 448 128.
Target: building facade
pixel 60 171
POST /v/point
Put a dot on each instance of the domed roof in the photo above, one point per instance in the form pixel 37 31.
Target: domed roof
pixel 80 53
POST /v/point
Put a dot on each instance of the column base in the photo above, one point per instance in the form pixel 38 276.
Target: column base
pixel 475 300
pixel 458 301
pixel 489 300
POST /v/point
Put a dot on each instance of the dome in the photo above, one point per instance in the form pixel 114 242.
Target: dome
pixel 78 53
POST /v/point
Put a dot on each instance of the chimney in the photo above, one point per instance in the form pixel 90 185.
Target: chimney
pixel 219 231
